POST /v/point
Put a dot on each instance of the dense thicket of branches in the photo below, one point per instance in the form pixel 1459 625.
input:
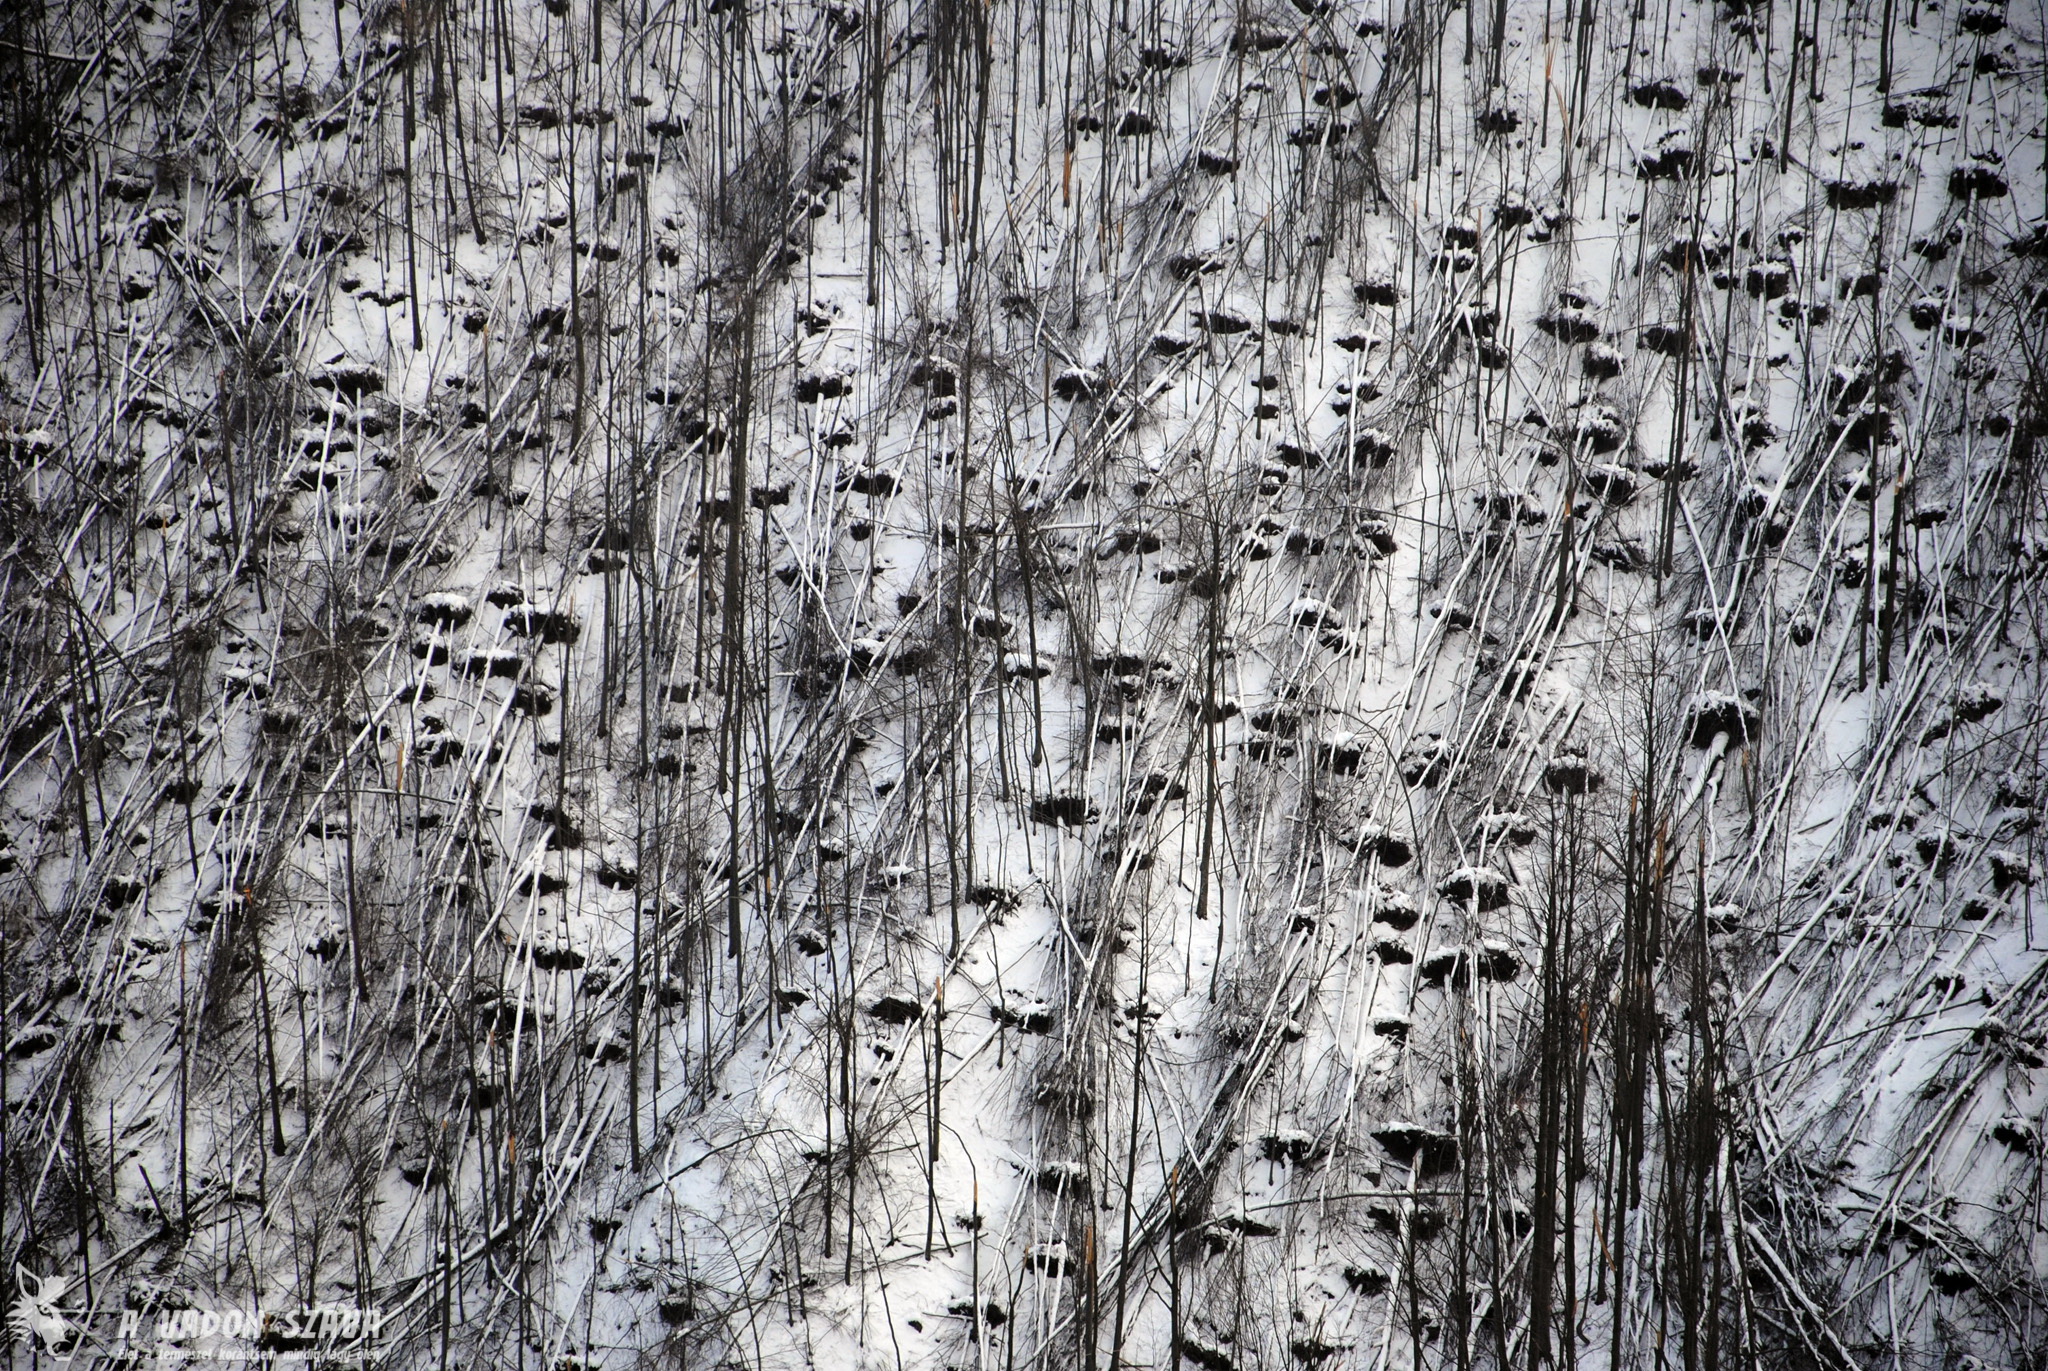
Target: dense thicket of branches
pixel 938 684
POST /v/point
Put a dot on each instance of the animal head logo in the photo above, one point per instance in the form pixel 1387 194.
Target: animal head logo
pixel 35 1316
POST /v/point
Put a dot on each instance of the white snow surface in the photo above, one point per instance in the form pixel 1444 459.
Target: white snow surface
pixel 775 685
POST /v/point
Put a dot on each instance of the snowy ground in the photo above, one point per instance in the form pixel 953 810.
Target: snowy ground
pixel 1345 685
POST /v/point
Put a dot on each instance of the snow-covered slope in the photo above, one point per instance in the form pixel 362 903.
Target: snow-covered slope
pixel 946 685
